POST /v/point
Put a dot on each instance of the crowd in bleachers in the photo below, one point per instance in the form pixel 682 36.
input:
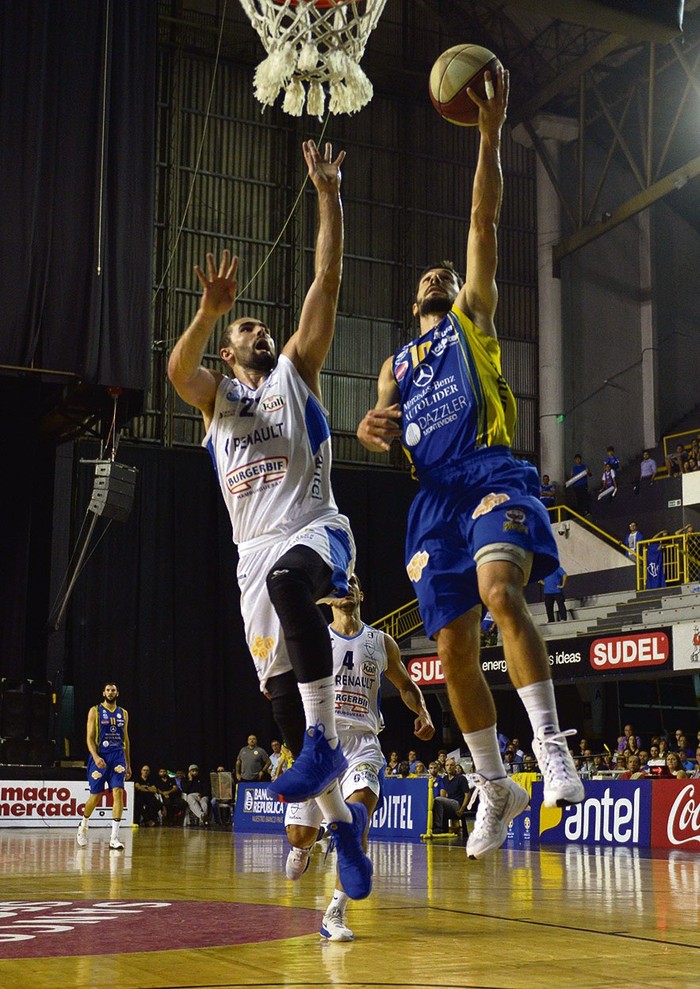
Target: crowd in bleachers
pixel 663 755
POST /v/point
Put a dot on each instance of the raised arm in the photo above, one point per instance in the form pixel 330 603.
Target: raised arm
pixel 193 383
pixel 308 346
pixel 410 692
pixel 478 296
pixel 382 424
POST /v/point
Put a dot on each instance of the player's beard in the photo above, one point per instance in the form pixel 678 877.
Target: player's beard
pixel 433 304
pixel 261 360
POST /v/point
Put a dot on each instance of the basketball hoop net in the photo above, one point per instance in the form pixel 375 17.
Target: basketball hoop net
pixel 312 44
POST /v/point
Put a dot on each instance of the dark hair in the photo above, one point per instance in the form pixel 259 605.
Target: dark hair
pixel 448 266
pixel 109 683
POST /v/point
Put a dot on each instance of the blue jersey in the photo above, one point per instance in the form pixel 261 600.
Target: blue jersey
pixel 109 730
pixel 454 398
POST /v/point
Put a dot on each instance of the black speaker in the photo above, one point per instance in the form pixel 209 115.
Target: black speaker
pixel 23 752
pixel 14 709
pixel 41 706
pixel 113 490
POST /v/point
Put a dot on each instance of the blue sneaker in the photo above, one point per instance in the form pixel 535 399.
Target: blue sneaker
pixel 354 868
pixel 313 771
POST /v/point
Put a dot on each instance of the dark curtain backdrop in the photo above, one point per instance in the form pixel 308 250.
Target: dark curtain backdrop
pixel 77 118
pixel 156 607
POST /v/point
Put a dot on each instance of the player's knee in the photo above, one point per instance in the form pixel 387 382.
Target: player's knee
pixel 291 596
pixel 301 836
pixel 503 598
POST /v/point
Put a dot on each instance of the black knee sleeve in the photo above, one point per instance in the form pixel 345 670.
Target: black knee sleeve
pixel 295 582
pixel 287 710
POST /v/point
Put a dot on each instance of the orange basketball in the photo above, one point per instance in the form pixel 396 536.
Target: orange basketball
pixel 454 71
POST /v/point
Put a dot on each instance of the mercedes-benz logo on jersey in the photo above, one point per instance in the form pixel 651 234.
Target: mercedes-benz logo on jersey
pixel 422 375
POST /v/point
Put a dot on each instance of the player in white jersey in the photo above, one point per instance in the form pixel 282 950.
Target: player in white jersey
pixel 268 435
pixel 361 656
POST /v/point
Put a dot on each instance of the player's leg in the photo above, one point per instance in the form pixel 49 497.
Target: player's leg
pixel 361 787
pixel 500 798
pixel 315 567
pixel 96 782
pixel 117 810
pixel 502 570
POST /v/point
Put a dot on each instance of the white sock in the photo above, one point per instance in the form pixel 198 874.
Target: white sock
pixel 541 706
pixel 115 827
pixel 486 754
pixel 83 824
pixel 340 899
pixel 332 805
pixel 318 698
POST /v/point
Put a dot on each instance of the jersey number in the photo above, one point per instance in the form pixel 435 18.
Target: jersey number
pixel 348 660
pixel 246 405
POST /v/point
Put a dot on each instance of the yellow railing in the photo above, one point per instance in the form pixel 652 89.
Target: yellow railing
pixel 673 439
pixel 402 622
pixel 562 513
pixel 680 555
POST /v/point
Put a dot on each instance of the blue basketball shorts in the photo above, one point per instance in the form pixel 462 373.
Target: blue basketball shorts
pixel 490 497
pixel 113 773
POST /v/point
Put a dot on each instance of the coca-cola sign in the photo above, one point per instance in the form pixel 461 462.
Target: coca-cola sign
pixel 675 821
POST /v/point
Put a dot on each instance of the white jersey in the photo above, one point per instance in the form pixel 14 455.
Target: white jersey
pixel 271 449
pixel 358 665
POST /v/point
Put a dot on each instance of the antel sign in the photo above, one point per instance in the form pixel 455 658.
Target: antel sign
pixel 638 651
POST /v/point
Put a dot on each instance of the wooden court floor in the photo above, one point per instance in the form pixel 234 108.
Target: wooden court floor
pixel 194 909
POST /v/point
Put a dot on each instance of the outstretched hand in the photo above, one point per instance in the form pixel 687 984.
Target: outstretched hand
pixel 220 286
pixel 492 110
pixel 324 172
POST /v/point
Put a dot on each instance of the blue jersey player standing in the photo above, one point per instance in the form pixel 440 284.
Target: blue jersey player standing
pixel 477 531
pixel 109 762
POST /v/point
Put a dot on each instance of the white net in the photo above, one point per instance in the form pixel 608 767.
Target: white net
pixel 313 53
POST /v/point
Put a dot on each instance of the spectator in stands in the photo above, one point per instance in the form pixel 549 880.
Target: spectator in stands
pixel 622 740
pixel 634 769
pixel 197 794
pixel 647 471
pixel 600 764
pixel 420 769
pixel 608 482
pixel 633 538
pixel 453 799
pixel 553 586
pixel 690 465
pixel 675 460
pixel 412 759
pixel 633 746
pixel 579 487
pixel 663 747
pixel 174 805
pixel 442 759
pixel 611 460
pixel 147 802
pixel 674 766
pixel 275 757
pixel 548 492
pixel 392 764
pixel 435 778
pixel 508 763
pixel 404 770
pixel 695 774
pixel 530 763
pixel 252 762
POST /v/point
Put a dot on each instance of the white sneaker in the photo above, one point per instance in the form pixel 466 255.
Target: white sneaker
pixel 297 862
pixel 333 926
pixel 499 802
pixel 81 836
pixel 116 843
pixel 562 784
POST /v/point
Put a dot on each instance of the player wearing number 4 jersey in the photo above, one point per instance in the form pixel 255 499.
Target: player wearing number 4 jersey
pixel 268 436
pixel 361 656
pixel 477 531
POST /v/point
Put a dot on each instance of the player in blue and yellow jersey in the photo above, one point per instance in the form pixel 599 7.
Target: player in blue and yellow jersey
pixel 477 531
pixel 109 762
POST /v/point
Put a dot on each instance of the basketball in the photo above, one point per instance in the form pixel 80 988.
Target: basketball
pixel 456 69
